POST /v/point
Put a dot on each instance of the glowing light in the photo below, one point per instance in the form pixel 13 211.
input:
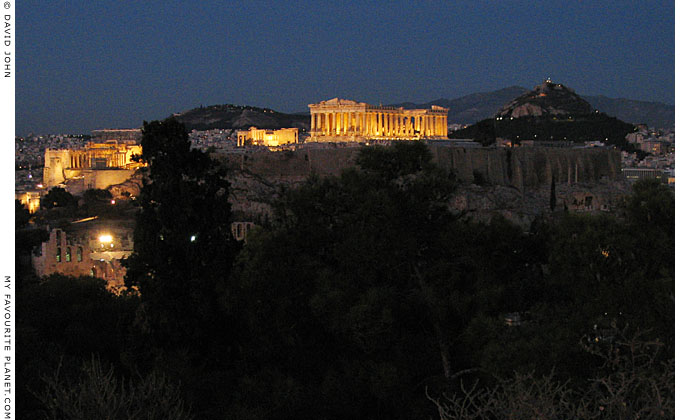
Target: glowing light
pixel 193 238
pixel 112 201
pixel 105 239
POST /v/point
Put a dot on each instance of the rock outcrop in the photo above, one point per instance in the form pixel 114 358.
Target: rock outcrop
pixel 515 183
pixel 130 188
pixel 547 99
pixel 523 207
pixel 529 167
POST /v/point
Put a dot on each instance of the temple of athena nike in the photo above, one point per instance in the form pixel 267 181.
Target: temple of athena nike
pixel 342 120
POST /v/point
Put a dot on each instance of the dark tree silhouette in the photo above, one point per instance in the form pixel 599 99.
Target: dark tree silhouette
pixel 57 197
pixel 182 261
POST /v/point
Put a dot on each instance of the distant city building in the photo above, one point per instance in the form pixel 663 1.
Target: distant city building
pixel 217 138
pixel 637 137
pixel 270 138
pixel 654 147
pixel 659 163
pixel 87 248
pixel 99 165
pixel 654 142
pixel 342 120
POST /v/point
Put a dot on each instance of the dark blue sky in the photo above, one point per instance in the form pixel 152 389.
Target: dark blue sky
pixel 82 66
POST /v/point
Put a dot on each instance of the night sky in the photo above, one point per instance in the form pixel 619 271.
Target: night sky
pixel 83 66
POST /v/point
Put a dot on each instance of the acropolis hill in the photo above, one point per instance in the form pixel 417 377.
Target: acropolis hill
pixel 515 183
pixel 519 167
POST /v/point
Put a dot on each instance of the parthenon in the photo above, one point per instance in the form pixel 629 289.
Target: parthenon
pixel 342 120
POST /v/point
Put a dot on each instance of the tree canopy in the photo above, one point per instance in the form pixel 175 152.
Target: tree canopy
pixel 183 257
pixel 58 197
pixel 363 293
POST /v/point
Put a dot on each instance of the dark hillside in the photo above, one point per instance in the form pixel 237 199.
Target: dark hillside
pixel 239 117
pixel 550 112
pixel 475 107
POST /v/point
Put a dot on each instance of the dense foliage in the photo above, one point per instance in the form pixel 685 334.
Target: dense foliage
pixel 182 261
pixel 363 295
pixel 579 129
pixel 631 383
pixel 58 197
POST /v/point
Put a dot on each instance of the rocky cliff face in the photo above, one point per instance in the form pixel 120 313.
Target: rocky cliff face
pixel 130 188
pixel 523 207
pixel 515 183
pixel 528 167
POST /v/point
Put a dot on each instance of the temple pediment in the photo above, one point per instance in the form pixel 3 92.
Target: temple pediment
pixel 342 102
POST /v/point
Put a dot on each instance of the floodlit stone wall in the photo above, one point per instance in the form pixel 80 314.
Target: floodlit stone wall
pixel 98 166
pixel 92 250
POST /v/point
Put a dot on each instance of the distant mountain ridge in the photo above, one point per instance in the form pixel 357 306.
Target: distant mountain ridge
pixel 471 108
pixel 467 109
pixel 654 114
pixel 475 107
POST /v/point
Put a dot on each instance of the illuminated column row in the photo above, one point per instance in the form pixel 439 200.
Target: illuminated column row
pixel 395 124
pixel 389 124
pixel 77 160
pixel 337 123
pixel 434 125
pixel 385 123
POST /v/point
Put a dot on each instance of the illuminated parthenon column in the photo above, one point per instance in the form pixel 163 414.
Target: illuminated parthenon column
pixel 341 120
